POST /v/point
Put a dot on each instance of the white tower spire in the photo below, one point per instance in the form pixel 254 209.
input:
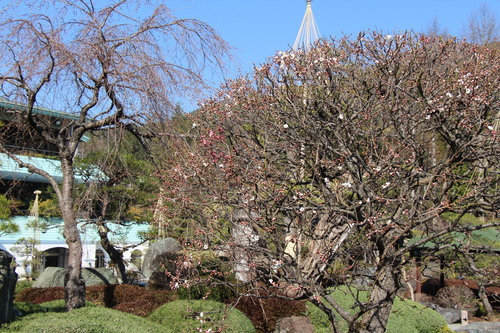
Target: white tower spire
pixel 308 32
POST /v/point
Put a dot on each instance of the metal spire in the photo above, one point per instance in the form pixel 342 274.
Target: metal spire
pixel 308 32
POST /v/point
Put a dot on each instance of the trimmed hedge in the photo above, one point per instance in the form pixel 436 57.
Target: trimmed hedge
pixel 184 316
pixel 126 298
pixel 218 292
pixel 265 311
pixel 40 295
pixel 406 316
pixel 52 306
pixel 84 320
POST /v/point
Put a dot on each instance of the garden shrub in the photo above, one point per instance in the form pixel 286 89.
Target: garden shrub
pixel 409 316
pixel 127 298
pixel 457 297
pixel 21 285
pixel 101 295
pixel 28 308
pixel 219 292
pixel 406 316
pixel 124 293
pixel 84 320
pixel 40 295
pixel 183 316
pixel 52 306
pixel 145 304
pixel 264 312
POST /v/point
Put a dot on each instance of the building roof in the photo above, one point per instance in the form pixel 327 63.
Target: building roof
pixel 10 170
pixel 120 234
pixel 4 103
pixel 487 239
pixel 9 105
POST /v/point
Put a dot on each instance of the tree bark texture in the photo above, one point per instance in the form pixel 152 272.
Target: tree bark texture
pixel 74 285
pixel 114 254
pixel 382 298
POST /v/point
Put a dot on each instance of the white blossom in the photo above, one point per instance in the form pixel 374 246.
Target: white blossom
pixel 386 185
pixel 346 184
pixel 285 126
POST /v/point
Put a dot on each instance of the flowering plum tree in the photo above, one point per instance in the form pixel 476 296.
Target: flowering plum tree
pixel 339 161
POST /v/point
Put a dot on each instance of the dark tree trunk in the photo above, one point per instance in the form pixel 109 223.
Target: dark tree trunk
pixel 114 254
pixel 382 297
pixel 74 285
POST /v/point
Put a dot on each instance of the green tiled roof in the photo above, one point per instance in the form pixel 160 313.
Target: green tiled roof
pixel 119 234
pixel 6 104
pixel 10 170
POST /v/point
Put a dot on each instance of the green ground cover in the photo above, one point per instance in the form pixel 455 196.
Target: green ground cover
pixel 406 316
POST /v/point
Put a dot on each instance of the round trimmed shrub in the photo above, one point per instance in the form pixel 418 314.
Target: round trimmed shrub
pixel 84 320
pixel 185 316
pixel 406 316
pixel 457 297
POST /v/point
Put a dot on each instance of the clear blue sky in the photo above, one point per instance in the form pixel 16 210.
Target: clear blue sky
pixel 258 28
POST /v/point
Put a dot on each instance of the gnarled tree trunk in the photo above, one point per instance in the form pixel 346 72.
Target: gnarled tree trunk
pixel 382 297
pixel 74 285
pixel 114 254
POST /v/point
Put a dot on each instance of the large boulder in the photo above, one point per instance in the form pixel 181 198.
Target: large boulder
pixel 8 280
pixel 54 277
pixel 161 248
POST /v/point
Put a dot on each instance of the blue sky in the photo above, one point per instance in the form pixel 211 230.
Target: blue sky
pixel 258 28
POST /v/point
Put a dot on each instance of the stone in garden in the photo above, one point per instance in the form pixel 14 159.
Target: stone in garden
pixel 99 276
pixel 294 325
pixel 450 315
pixel 8 279
pixel 162 247
pixel 478 327
pixel 54 277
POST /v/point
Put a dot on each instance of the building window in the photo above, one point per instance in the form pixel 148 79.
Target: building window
pixel 99 258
